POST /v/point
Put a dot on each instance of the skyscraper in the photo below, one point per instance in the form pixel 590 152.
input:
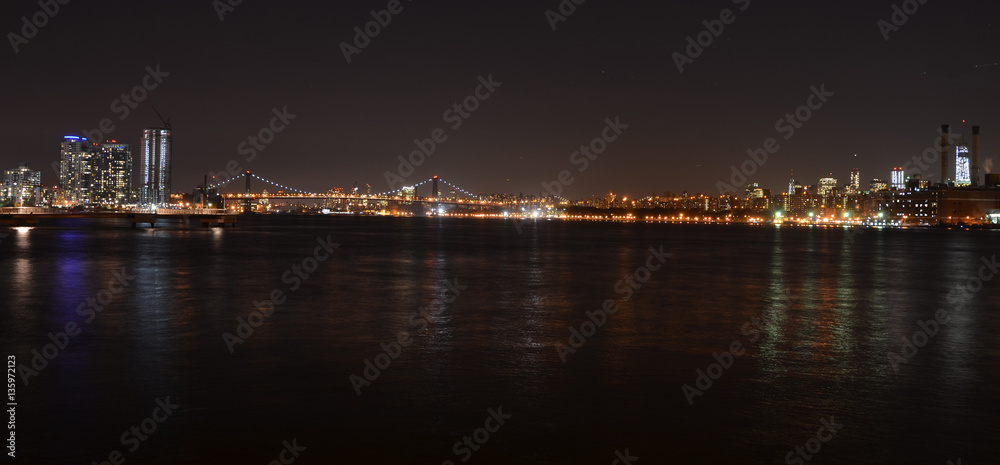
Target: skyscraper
pixel 112 174
pixel 75 170
pixel 155 167
pixel 855 185
pixel 898 179
pixel 826 186
pixel 963 175
pixel 22 186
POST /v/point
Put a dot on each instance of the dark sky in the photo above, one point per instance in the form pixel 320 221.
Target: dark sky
pixel 610 58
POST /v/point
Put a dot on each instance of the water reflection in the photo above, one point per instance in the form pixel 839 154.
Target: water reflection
pixel 830 311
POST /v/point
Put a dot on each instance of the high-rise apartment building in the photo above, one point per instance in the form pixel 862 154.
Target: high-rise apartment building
pixel 112 174
pixel 75 170
pixel 22 186
pixel 94 174
pixel 154 167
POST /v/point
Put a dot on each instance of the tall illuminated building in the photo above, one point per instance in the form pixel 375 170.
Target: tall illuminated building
pixel 154 167
pixel 112 174
pixel 756 197
pixel 898 179
pixel 855 185
pixel 75 169
pixel 963 175
pixel 826 186
pixel 22 186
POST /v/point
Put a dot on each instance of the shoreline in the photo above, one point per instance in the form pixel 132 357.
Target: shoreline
pixel 213 220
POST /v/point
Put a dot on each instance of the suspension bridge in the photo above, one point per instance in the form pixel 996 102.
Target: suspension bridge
pixel 441 193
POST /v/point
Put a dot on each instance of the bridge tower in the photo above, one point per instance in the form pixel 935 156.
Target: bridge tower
pixel 434 190
pixel 247 202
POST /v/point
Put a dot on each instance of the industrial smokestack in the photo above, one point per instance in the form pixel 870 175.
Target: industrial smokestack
pixel 944 154
pixel 974 156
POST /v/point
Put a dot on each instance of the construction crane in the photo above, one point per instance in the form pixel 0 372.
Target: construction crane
pixel 166 122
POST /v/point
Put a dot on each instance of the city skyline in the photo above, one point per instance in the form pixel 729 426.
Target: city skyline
pixel 160 139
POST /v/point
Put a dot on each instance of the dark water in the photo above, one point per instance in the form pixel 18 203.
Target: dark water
pixel 831 311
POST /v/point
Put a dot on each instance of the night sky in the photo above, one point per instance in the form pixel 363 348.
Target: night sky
pixel 608 59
